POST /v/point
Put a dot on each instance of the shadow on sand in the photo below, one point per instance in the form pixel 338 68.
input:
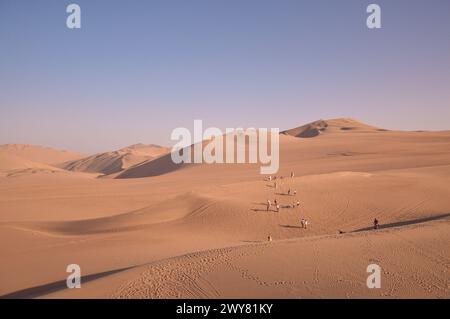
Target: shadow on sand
pixel 264 210
pixel 405 223
pixel 252 241
pixel 37 291
pixel 291 226
pixel 284 194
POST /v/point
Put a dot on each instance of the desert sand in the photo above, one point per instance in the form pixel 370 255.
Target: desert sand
pixel 153 229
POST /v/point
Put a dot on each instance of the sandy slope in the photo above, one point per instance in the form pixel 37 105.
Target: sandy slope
pixel 413 260
pixel 116 161
pixel 12 162
pixel 19 159
pixel 131 236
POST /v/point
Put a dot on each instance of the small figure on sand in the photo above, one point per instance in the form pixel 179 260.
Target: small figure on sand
pixel 278 208
pixel 269 238
pixel 298 203
pixel 292 174
pixel 375 224
pixel 289 191
pixel 295 192
pixel 304 223
pixel 269 204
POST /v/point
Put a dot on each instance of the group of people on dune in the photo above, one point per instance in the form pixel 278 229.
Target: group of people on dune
pixel 291 192
pixel 278 206
pixel 303 222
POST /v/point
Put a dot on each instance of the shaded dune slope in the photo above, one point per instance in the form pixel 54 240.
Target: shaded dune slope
pixel 116 161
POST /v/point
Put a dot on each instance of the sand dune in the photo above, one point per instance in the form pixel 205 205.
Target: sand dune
pixel 173 209
pixel 329 126
pixel 116 161
pixel 334 268
pixel 310 267
pixel 350 144
pixel 201 230
pixel 20 159
pixel 38 154
pixel 14 166
pixel 13 162
pixel 156 167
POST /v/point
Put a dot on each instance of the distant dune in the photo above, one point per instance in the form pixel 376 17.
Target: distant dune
pixel 39 154
pixel 116 161
pixel 21 158
pixel 336 133
pixel 13 162
pixel 329 126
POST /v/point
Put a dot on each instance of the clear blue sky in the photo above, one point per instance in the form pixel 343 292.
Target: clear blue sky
pixel 138 69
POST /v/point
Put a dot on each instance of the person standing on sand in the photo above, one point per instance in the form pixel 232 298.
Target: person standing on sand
pixel 268 204
pixel 269 238
pixel 278 208
pixel 298 203
pixel 302 222
pixel 292 174
pixel 375 224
